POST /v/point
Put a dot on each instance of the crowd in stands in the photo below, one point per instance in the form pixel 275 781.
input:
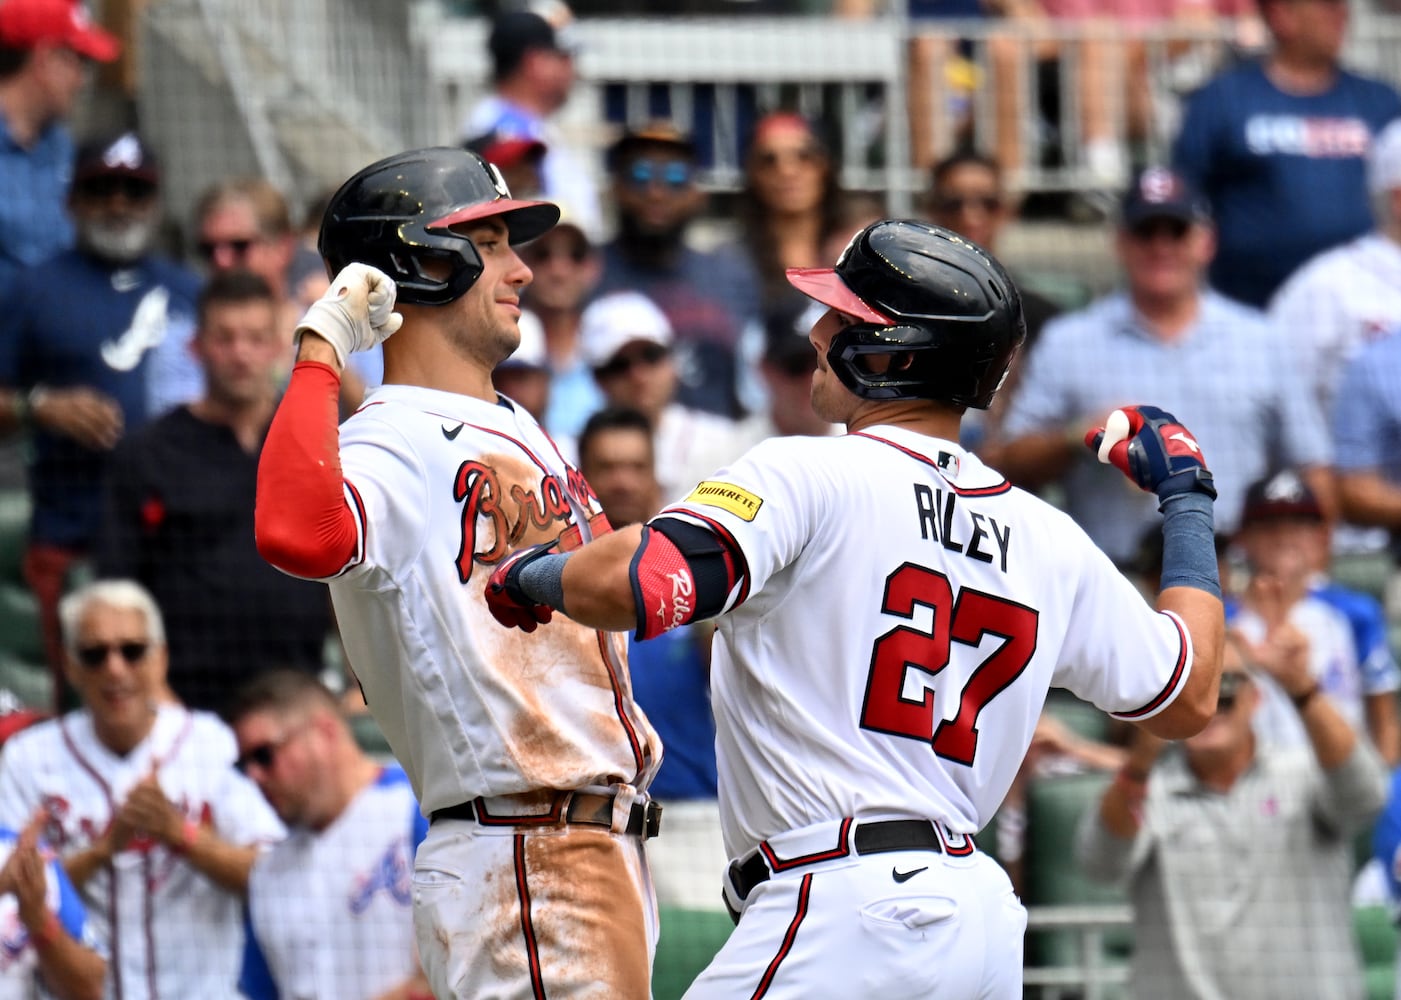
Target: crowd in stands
pixel 192 815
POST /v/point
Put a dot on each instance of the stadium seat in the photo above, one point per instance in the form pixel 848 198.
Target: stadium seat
pixel 1364 571
pixel 22 668
pixel 1054 808
pixel 1376 937
pixel 689 940
pixel 1079 716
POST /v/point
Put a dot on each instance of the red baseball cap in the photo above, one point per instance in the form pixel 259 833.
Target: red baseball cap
pixel 25 24
pixel 826 286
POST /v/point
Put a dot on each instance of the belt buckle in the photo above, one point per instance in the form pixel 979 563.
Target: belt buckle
pixel 652 820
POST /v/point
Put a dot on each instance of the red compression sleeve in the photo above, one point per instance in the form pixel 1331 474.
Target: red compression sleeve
pixel 302 521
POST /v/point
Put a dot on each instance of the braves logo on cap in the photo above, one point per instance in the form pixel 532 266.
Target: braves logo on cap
pixel 1158 184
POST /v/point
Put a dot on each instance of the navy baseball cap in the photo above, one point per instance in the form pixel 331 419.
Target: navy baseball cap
pixel 1285 494
pixel 1161 193
pixel 124 155
pixel 516 32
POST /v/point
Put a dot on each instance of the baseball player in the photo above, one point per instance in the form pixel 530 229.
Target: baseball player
pixel 891 615
pixel 155 827
pixel 528 755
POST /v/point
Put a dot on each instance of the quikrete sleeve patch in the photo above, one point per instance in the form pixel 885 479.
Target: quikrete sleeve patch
pixel 728 497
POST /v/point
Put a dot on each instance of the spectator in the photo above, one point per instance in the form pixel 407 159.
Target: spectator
pixel 329 908
pixel 786 368
pixel 1351 294
pixel 1285 540
pixel 1279 148
pixel 519 158
pixel 566 267
pixel 709 298
pixel 178 514
pixel 524 377
pixel 627 341
pixel 670 677
pixel 1238 857
pixel 532 72
pixel 1213 363
pixel 44 46
pixel 1366 419
pixel 89 341
pixel 155 827
pixel 790 205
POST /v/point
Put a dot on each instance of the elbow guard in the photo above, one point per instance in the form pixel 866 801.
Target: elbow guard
pixel 681 573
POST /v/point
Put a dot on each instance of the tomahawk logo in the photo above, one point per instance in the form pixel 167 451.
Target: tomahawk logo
pixel 1186 439
pixel 680 601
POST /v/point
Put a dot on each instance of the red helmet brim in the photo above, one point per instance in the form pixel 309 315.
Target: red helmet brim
pixel 827 287
pixel 524 219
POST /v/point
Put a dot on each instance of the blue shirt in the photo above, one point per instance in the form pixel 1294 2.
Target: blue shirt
pixel 709 298
pixel 77 321
pixel 671 681
pixel 34 223
pixel 1386 836
pixel 1225 378
pixel 1285 173
pixel 1367 620
pixel 1367 411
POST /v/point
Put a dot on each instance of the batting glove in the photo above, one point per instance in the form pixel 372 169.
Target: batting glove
pixel 1150 447
pixel 356 313
pixel 508 603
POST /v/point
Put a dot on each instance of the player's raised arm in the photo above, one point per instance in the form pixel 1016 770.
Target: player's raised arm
pixel 302 522
pixel 1150 447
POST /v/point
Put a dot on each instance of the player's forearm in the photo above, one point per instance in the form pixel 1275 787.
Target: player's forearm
pixel 301 522
pixel 598 585
pixel 1367 498
pixel 70 970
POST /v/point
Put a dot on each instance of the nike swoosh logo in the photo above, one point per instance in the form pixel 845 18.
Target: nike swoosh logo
pixel 900 876
pixel 451 435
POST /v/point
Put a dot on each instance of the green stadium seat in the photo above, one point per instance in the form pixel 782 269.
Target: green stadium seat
pixel 1365 571
pixel 689 940
pixel 30 682
pixel 14 534
pixel 1376 937
pixel 1054 808
pixel 1079 716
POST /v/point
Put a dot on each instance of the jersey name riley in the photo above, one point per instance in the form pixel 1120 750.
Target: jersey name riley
pixel 986 542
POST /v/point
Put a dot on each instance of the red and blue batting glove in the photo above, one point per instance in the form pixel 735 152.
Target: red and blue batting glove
pixel 1150 447
pixel 508 603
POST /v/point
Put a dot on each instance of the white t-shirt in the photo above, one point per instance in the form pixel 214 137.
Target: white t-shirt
pixel 902 613
pixel 169 931
pixel 443 486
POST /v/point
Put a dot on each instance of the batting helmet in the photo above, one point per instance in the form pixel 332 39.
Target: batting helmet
pixel 397 214
pixel 941 307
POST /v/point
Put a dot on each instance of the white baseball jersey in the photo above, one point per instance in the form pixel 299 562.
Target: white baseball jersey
pixel 19 964
pixel 903 612
pixel 169 932
pixel 1335 303
pixel 1332 660
pixel 331 911
pixel 443 486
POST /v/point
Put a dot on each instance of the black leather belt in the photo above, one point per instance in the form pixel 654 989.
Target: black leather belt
pixel 645 819
pixel 869 838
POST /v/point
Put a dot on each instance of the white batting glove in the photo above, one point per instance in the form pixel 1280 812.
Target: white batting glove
pixel 356 313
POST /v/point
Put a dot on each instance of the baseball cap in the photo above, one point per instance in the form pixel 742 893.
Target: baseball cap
pixel 531 352
pixel 122 156
pixel 506 150
pixel 612 322
pixel 25 24
pixel 1160 193
pixel 655 133
pixel 786 343
pixel 516 32
pixel 1285 494
pixel 1384 160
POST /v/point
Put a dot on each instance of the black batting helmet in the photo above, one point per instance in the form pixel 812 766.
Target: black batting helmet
pixel 397 213
pixel 944 310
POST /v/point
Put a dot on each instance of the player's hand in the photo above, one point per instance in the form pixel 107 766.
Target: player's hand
pixel 91 418
pixel 510 605
pixel 356 313
pixel 24 874
pixel 1155 451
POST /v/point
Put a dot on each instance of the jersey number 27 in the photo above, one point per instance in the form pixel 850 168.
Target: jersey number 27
pixel 964 620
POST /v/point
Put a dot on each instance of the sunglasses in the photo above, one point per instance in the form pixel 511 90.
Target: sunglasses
pixel 648 356
pixel 208 248
pixel 263 754
pixel 1231 685
pixel 1173 229
pixel 770 158
pixel 674 175
pixel 96 655
pixel 954 204
pixel 132 188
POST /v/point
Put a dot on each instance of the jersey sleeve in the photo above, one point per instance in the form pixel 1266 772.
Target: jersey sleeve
pixel 242 815
pixel 1120 654
pixel 255 976
pixel 764 508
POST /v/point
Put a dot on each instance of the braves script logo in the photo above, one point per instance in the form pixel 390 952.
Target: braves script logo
pixel 390 873
pixel 680 607
pixel 480 486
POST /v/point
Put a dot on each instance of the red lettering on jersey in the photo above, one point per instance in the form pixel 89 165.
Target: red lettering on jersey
pixel 478 487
